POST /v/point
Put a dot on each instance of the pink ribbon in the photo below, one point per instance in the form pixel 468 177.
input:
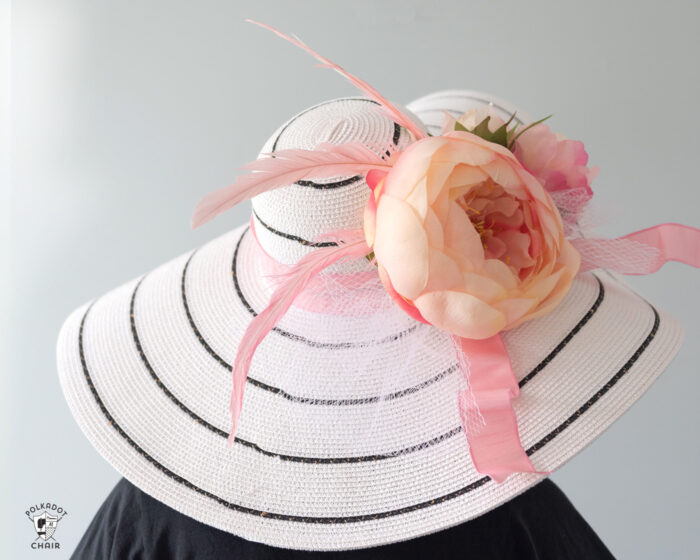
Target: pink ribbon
pixel 642 252
pixel 494 445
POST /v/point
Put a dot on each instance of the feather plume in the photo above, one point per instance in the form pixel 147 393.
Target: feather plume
pixel 282 298
pixel 392 111
pixel 286 167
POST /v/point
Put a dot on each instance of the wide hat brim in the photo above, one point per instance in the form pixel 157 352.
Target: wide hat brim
pixel 145 370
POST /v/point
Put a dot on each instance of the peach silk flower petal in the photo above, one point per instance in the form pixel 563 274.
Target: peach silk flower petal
pixel 467 237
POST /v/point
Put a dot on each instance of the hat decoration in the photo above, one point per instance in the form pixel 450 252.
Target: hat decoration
pixel 474 231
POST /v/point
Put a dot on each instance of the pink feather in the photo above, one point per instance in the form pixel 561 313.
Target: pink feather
pixel 393 112
pixel 282 298
pixel 286 167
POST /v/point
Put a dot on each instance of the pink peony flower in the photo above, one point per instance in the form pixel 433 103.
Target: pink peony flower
pixel 465 238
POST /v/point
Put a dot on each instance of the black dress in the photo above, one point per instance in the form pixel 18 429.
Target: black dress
pixel 540 524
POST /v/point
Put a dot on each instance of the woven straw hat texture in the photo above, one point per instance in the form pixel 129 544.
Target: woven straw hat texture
pixel 145 370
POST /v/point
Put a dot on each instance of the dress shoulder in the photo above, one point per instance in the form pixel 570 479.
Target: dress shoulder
pixel 539 524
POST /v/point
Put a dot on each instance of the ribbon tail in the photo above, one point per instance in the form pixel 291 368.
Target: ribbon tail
pixel 280 301
pixel 486 409
pixel 642 252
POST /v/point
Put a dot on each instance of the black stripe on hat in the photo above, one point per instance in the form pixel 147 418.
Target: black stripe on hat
pixel 356 518
pixel 559 347
pixel 292 237
pixel 343 182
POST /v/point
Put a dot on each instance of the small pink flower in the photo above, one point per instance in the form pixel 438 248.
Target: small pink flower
pixel 557 162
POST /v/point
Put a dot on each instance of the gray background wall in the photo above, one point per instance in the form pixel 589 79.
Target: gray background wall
pixel 125 113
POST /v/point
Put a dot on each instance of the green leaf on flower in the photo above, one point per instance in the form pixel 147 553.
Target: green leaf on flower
pixel 502 135
pixel 482 130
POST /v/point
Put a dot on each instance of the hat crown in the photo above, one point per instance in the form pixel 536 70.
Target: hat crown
pixel 288 219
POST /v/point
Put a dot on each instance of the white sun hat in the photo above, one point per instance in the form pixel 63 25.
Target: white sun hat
pixel 349 436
